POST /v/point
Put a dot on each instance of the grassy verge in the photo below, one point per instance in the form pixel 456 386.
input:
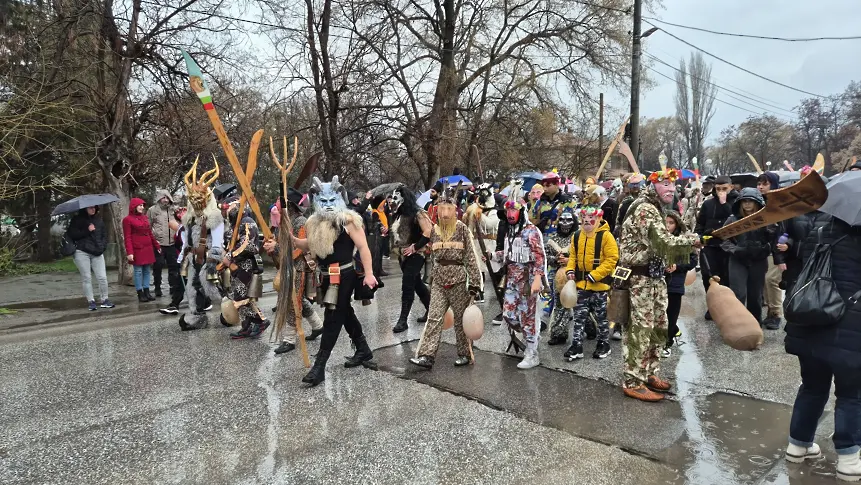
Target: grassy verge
pixel 65 265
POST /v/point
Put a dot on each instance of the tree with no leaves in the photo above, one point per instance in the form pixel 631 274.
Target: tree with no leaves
pixel 695 97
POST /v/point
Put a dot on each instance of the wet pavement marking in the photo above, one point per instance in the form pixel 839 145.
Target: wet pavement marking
pixel 726 439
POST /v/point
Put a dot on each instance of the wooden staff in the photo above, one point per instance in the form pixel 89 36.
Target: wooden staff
pixel 249 176
pixel 611 147
pixel 286 232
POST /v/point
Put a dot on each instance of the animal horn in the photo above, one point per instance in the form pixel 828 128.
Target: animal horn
pixel 457 191
pixel 192 173
pixel 210 176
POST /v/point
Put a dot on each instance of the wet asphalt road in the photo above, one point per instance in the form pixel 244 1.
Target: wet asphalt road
pixel 134 400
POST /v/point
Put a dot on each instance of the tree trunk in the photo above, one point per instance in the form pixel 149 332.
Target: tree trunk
pixel 44 248
pixel 114 223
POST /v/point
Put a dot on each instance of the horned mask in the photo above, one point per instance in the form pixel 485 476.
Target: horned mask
pixel 330 197
pixel 198 188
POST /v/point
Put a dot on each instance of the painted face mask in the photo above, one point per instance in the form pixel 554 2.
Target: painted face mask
pixel 331 197
pixel 664 183
pixel 513 215
pixel 398 200
pixel 198 190
pixel 565 223
pixel 591 218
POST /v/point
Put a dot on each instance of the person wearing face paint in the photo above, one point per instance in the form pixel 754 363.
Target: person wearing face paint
pixel 646 247
pixel 411 231
pixel 202 247
pixel 592 257
pixel 712 216
pixel 334 234
pixel 456 281
pixel 524 258
pixel 557 249
pixel 749 253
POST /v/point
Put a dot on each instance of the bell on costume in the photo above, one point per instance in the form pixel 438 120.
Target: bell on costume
pixel 255 286
pixel 330 299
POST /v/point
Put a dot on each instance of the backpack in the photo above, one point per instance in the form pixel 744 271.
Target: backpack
pixel 815 301
pixel 67 246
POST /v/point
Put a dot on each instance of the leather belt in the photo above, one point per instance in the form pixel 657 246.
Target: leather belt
pixel 639 270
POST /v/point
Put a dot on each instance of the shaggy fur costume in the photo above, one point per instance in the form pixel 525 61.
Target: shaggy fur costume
pixel 322 230
pixel 197 318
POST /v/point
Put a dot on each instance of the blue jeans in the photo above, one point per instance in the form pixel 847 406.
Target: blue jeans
pixel 142 277
pixel 812 397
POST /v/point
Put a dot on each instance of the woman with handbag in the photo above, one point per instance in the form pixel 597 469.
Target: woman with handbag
pixel 90 238
pixel 141 247
pixel 828 348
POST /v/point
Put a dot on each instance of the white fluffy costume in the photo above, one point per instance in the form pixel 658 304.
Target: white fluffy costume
pixel 201 255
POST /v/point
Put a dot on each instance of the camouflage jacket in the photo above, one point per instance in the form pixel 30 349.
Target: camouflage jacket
pixel 644 235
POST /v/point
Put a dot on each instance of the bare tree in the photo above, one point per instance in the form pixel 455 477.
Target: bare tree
pixel 695 97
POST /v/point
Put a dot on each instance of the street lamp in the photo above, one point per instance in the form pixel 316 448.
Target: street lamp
pixel 768 166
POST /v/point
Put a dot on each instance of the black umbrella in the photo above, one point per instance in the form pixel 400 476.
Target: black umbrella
pixel 744 179
pixel 222 191
pixel 844 198
pixel 84 201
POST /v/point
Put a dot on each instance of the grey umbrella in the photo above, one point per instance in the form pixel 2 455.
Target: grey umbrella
pixel 385 189
pixel 78 203
pixel 844 198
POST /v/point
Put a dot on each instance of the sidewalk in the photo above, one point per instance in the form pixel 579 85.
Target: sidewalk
pixel 53 286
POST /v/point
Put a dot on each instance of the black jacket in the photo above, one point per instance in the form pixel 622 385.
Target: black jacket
pixel 713 216
pixel 94 242
pixel 797 229
pixel 676 279
pixel 839 345
pixel 610 208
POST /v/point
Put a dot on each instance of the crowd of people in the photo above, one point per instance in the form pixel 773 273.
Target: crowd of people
pixel 523 245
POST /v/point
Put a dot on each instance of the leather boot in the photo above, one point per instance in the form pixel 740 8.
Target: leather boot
pixel 317 374
pixel 402 325
pixel 423 318
pixel 147 294
pixel 363 353
pixel 141 297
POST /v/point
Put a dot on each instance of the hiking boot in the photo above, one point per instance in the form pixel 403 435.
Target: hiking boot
pixel 657 384
pixel 107 304
pixel 422 361
pixel 771 323
pixel 92 306
pixel 462 361
pixel 797 454
pixel 557 340
pixel 317 374
pixel 642 393
pixel 602 350
pixel 574 352
pixel 170 310
pixel 284 348
pixel 849 467
pixel 259 328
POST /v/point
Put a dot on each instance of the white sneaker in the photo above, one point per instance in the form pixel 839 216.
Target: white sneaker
pixel 849 467
pixel 667 352
pixel 530 360
pixel 797 454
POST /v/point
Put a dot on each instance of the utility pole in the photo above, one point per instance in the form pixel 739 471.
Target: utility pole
pixel 635 80
pixel 601 125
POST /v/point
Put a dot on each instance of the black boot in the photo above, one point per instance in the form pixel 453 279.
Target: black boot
pixel 363 353
pixel 423 318
pixel 402 325
pixel 141 297
pixel 317 374
pixel 148 296
pixel 314 334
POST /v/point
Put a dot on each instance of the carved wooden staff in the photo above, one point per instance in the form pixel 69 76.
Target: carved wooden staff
pixel 249 176
pixel 294 298
pixel 611 147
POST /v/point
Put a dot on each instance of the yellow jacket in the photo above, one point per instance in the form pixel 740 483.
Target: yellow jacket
pixel 581 258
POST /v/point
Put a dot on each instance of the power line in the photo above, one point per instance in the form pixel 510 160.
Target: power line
pixel 716 98
pixel 736 65
pixel 726 90
pixel 751 36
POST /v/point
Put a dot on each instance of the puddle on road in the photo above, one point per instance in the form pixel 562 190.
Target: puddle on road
pixel 720 438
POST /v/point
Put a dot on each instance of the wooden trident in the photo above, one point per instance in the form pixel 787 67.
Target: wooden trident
pixel 289 295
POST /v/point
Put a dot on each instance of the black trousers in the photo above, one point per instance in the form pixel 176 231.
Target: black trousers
pixel 168 258
pixel 343 314
pixel 674 307
pixel 747 280
pixel 713 262
pixel 412 284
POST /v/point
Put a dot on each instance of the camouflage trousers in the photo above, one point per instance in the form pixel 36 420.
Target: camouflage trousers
pixel 594 303
pixel 647 332
pixel 561 319
pixel 458 299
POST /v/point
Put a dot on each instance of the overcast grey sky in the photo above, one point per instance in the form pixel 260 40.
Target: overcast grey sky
pixel 822 67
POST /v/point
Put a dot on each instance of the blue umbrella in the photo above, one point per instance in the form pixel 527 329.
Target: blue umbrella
pixel 688 174
pixel 84 201
pixel 454 179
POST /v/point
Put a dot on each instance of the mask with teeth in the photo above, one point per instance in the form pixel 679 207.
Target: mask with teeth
pixel 329 197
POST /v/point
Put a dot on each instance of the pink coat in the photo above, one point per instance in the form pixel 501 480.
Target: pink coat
pixel 138 236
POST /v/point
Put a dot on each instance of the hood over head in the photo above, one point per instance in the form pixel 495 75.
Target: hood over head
pixel 160 194
pixel 748 193
pixel 134 203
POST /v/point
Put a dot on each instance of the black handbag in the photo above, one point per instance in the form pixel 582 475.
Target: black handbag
pixel 67 246
pixel 815 300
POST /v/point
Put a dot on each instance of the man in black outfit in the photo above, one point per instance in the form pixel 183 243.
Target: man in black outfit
pixel 712 216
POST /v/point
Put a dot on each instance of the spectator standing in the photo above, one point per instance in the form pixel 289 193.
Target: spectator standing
pixel 88 233
pixel 827 353
pixel 712 216
pixel 676 274
pixel 141 247
pixel 164 228
pixel 772 295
